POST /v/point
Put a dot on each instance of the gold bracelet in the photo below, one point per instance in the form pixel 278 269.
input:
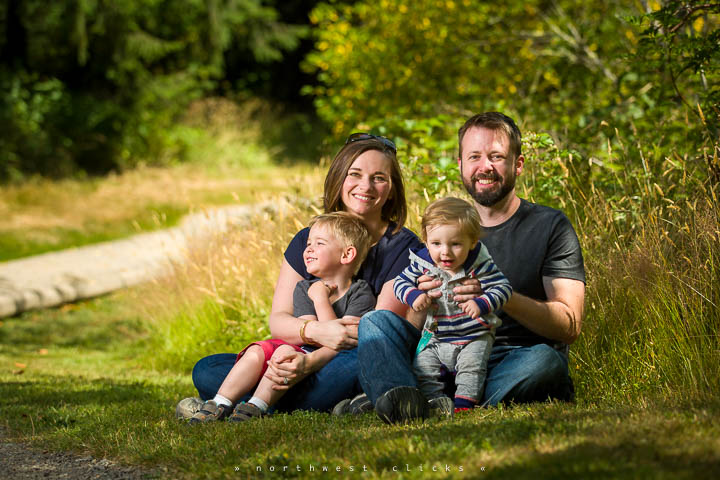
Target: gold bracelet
pixel 302 333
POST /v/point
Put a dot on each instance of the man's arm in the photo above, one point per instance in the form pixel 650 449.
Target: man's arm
pixel 558 318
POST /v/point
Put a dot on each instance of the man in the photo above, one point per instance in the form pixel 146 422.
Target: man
pixel 537 250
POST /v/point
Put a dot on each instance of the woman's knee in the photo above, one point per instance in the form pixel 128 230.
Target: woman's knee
pixel 209 373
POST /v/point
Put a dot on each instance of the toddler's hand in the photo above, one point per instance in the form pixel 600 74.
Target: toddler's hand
pixel 320 290
pixel 422 302
pixel 470 308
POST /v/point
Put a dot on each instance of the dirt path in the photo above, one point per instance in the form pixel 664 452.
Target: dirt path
pixel 54 278
pixel 21 462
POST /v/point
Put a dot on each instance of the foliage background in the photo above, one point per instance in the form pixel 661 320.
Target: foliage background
pixel 617 100
pixel 95 85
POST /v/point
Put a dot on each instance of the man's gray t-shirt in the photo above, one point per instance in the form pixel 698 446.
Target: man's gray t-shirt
pixel 536 242
pixel 356 302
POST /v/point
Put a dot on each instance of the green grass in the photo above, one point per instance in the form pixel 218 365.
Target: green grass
pixel 75 379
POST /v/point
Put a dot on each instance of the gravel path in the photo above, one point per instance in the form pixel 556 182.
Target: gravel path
pixel 21 462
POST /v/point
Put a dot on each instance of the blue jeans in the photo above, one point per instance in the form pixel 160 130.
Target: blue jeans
pixel 386 347
pixel 320 391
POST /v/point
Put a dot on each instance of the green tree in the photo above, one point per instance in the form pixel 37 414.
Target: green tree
pixel 681 45
pixel 96 85
pixel 426 57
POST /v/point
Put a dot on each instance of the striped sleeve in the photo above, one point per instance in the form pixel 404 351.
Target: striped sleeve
pixel 405 286
pixel 496 288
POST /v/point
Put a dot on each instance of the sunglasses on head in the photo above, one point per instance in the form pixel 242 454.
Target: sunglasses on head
pixel 356 137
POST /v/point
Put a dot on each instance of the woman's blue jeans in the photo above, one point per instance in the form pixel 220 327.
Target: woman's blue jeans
pixel 386 349
pixel 320 391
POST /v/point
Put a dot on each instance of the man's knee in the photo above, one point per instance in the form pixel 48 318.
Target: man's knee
pixel 530 374
pixel 375 322
pixel 547 364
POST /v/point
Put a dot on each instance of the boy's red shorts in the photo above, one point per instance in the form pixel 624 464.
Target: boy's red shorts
pixel 268 348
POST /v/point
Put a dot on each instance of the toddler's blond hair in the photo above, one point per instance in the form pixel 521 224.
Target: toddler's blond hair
pixel 349 230
pixel 452 210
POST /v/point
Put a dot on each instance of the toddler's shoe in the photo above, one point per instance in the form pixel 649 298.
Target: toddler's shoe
pixel 187 407
pixel 210 412
pixel 244 412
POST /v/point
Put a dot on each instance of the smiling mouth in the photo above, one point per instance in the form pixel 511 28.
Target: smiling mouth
pixel 310 259
pixel 361 197
pixel 485 180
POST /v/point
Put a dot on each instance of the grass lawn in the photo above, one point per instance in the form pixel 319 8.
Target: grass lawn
pixel 75 379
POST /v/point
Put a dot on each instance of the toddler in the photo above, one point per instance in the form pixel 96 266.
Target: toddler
pixel 456 336
pixel 337 245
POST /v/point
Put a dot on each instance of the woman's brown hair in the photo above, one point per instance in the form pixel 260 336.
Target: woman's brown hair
pixel 395 208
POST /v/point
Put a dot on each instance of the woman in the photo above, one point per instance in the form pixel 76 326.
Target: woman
pixel 365 180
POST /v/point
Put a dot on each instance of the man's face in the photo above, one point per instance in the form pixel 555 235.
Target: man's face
pixel 487 167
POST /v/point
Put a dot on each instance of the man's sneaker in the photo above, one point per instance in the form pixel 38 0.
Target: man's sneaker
pixel 360 404
pixel 244 412
pixel 187 407
pixel 210 412
pixel 442 407
pixel 355 406
pixel 342 407
pixel 402 405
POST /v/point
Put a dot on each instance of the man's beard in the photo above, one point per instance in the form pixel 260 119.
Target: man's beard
pixel 489 197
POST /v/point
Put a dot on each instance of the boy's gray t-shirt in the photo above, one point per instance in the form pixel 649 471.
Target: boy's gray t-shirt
pixel 356 302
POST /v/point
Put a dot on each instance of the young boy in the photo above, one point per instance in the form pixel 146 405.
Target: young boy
pixel 337 245
pixel 456 337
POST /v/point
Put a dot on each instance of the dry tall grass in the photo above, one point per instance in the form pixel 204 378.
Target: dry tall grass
pixel 219 299
pixel 652 253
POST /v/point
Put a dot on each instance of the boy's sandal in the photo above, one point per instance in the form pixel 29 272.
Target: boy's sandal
pixel 210 412
pixel 244 412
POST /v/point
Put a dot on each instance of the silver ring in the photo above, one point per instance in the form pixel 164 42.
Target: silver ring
pixel 285 380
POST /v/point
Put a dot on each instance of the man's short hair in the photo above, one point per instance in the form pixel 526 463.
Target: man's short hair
pixel 451 210
pixel 494 121
pixel 349 230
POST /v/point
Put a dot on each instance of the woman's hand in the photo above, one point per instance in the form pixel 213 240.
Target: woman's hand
pixel 340 334
pixel 291 366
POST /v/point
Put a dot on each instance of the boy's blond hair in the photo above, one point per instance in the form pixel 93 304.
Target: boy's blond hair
pixel 452 210
pixel 349 230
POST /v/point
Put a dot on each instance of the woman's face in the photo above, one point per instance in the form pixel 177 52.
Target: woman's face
pixel 367 184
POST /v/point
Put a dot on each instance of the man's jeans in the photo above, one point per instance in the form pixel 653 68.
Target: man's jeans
pixel 320 391
pixel 515 374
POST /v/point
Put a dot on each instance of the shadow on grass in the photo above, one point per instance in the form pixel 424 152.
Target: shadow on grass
pixel 66 411
pixel 631 459
pixel 99 324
